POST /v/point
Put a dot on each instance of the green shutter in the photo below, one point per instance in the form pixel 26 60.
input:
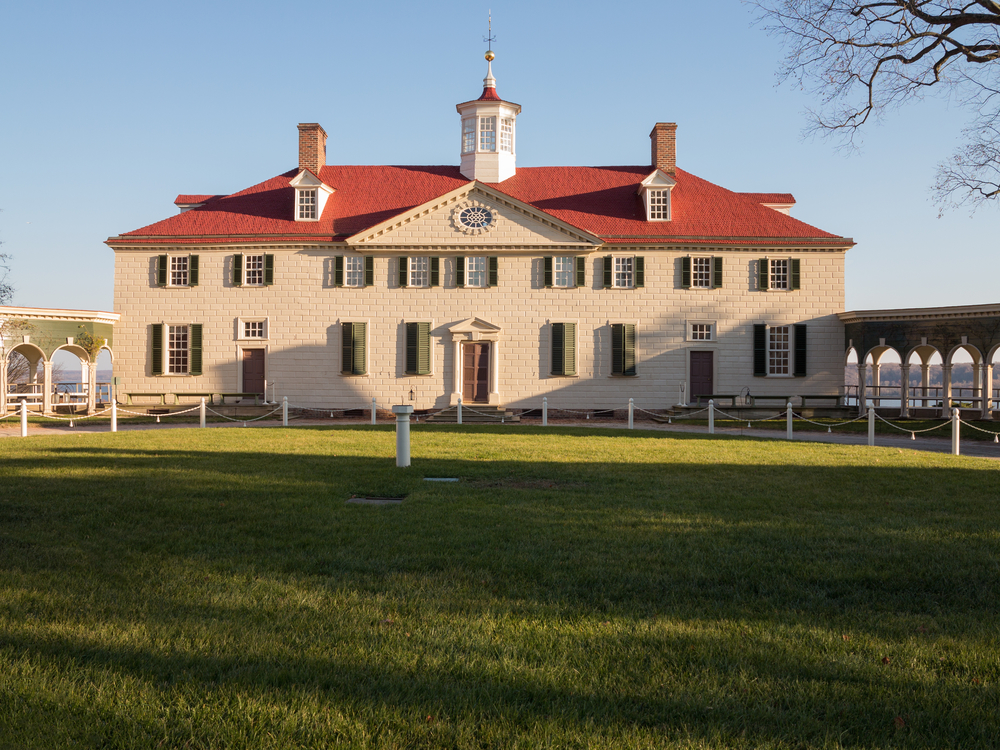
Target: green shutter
pixel 581 271
pixel 157 348
pixel 192 270
pixel 640 272
pixel 460 271
pixel 763 274
pixel 359 363
pixel 404 271
pixel 238 269
pixel 547 271
pixel 629 349
pixel 369 270
pixel 338 270
pixel 623 349
pixel 607 271
pixel 759 349
pixel 558 348
pixel 268 270
pixel 195 344
pixel 717 272
pixel 161 270
pixel 686 272
pixel 796 273
pixel 800 351
pixel 569 349
pixel 493 264
pixel 347 348
pixel 435 271
pixel 418 348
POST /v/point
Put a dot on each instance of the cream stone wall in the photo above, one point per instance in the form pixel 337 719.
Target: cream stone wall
pixel 304 312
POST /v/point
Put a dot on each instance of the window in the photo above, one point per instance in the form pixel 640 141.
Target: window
pixel 701 273
pixel 624 273
pixel 564 349
pixel 659 205
pixel 418 348
pixel 778 341
pixel 564 271
pixel 307 204
pixel 487 134
pixel 253 270
pixel 183 349
pixel 623 349
pixel 353 359
pixel 507 135
pixel 701 332
pixel 177 350
pixel 419 271
pixel 475 271
pixel 468 135
pixel 360 270
pixel 355 270
pixel 778 273
pixel 177 270
pixel 253 329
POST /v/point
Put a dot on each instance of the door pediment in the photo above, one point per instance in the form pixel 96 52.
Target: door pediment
pixel 474 329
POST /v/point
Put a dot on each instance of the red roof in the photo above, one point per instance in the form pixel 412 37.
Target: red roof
pixel 771 197
pixel 490 95
pixel 185 200
pixel 600 200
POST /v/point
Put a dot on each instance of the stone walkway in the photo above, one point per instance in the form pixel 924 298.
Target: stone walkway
pixel 11 427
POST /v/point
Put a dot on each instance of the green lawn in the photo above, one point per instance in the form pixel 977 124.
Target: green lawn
pixel 576 589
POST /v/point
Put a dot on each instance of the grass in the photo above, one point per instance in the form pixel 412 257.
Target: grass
pixel 575 589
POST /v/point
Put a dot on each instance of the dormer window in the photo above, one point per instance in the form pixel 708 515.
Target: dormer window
pixel 307 205
pixel 655 191
pixel 311 194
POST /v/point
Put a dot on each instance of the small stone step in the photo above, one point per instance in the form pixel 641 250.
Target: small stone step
pixel 479 414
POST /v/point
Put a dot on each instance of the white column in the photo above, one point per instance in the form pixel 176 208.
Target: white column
pixel 946 391
pixel 876 382
pixel 925 380
pixel 987 382
pixel 92 389
pixel 495 372
pixel 862 387
pixel 47 386
pixel 457 389
pixel 904 391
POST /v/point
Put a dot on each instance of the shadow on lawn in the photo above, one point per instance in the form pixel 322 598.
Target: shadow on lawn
pixel 784 550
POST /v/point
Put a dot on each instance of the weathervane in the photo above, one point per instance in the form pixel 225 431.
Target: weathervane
pixel 489 39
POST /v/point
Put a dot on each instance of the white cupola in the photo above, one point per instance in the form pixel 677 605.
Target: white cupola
pixel 488 133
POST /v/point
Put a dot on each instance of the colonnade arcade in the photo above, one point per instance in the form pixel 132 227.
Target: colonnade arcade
pixel 37 334
pixel 918 336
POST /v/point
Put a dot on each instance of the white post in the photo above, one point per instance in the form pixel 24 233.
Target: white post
pixel 373 410
pixel 459 412
pixel 711 416
pixel 114 415
pixel 545 411
pixel 788 422
pixel 631 410
pixel 201 412
pixel 956 428
pixel 24 418
pixel 402 412
pixel 871 425
pixel 284 411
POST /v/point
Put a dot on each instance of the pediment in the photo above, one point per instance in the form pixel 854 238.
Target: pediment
pixel 306 179
pixel 473 325
pixel 501 221
pixel 658 180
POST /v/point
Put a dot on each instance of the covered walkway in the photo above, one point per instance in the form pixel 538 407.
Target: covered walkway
pixel 36 334
pixel 918 335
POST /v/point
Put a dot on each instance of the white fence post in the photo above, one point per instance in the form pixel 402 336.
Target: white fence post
pixel 545 411
pixel 459 412
pixel 631 411
pixel 24 418
pixel 284 411
pixel 788 422
pixel 402 412
pixel 956 429
pixel 711 416
pixel 871 425
pixel 114 415
pixel 201 412
pixel 374 406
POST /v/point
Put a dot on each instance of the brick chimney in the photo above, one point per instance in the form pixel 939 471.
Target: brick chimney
pixel 663 140
pixel 312 146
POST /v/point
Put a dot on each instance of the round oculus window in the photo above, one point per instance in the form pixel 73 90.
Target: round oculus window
pixel 475 217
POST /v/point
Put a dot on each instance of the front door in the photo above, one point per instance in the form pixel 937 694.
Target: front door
pixel 702 383
pixel 476 373
pixel 253 371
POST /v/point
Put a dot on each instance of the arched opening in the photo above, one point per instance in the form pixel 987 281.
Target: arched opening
pixel 105 375
pixel 851 377
pixel 964 374
pixel 926 381
pixel 25 374
pixel 883 378
pixel 70 375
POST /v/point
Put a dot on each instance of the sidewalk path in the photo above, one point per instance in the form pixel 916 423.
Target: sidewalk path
pixel 977 448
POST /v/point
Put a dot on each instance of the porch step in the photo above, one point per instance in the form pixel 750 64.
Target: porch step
pixel 478 414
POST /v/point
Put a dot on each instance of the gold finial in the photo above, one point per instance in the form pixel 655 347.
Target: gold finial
pixel 489 39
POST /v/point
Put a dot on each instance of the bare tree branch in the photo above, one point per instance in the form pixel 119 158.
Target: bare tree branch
pixel 865 58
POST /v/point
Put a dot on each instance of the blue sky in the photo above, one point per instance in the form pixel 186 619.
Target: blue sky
pixel 112 109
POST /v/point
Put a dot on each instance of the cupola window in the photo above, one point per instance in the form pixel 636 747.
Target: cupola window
pixel 507 135
pixel 468 135
pixel 487 134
